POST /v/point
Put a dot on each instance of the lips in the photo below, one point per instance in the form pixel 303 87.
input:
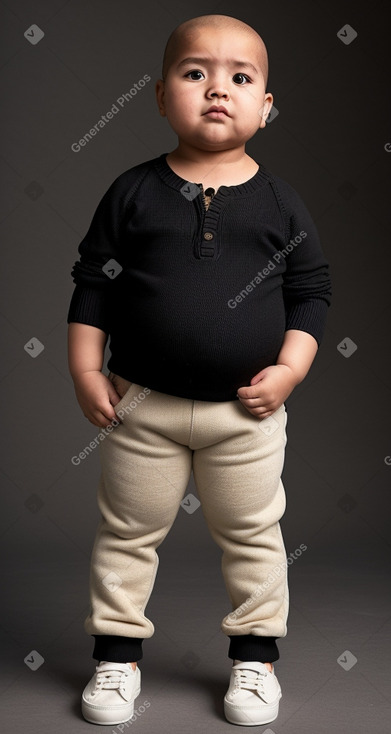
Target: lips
pixel 217 109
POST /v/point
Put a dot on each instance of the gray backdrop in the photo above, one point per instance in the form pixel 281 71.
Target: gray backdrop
pixel 331 140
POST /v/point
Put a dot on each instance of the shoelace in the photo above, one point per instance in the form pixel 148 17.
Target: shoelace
pixel 110 679
pixel 250 679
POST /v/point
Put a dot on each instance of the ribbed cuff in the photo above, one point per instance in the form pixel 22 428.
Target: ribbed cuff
pixel 253 647
pixel 89 306
pixel 309 316
pixel 116 649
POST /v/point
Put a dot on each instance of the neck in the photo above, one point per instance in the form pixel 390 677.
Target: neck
pixel 222 160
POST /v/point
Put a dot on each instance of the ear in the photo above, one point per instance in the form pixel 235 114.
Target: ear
pixel 265 109
pixel 159 89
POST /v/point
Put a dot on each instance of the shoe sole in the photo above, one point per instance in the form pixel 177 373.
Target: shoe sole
pixel 128 710
pixel 243 717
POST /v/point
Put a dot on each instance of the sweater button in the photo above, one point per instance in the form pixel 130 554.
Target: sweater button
pixel 208 236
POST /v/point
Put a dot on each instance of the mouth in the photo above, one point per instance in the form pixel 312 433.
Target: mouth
pixel 216 112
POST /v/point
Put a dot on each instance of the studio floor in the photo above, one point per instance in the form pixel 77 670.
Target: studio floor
pixel 333 668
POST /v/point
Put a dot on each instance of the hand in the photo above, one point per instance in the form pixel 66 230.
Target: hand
pixel 96 396
pixel 268 390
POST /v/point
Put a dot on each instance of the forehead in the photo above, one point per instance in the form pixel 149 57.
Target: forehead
pixel 220 47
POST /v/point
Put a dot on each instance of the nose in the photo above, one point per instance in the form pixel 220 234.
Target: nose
pixel 218 89
pixel 220 93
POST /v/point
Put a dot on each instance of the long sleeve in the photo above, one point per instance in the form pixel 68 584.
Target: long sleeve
pixel 307 283
pixel 90 303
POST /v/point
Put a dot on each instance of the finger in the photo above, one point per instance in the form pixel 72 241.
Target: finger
pixel 255 412
pixel 114 421
pixel 255 396
pixel 103 420
pixel 266 412
pixel 114 398
pixel 107 411
pixel 253 404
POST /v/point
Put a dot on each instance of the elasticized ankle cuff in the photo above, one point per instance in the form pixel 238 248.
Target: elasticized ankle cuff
pixel 253 647
pixel 117 649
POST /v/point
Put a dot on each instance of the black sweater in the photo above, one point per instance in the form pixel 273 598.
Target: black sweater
pixel 197 300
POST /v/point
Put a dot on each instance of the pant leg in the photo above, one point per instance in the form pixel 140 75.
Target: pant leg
pixel 238 478
pixel 145 472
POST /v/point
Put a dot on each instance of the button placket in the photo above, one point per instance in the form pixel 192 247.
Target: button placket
pixel 206 250
pixel 207 246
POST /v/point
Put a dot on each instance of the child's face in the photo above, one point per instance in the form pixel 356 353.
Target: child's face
pixel 192 87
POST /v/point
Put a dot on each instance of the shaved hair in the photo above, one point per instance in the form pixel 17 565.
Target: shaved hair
pixel 191 29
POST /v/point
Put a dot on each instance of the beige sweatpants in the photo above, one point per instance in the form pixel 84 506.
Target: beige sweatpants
pixel 146 462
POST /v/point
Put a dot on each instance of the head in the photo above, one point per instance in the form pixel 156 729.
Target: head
pixel 231 72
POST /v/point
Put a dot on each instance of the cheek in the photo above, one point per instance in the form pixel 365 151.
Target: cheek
pixel 183 103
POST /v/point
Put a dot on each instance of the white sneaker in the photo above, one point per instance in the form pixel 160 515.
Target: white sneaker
pixel 109 696
pixel 253 695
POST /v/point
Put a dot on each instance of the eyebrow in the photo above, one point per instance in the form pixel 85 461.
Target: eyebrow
pixel 197 60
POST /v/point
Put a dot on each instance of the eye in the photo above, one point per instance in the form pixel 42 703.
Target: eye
pixel 239 74
pixel 244 76
pixel 194 72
